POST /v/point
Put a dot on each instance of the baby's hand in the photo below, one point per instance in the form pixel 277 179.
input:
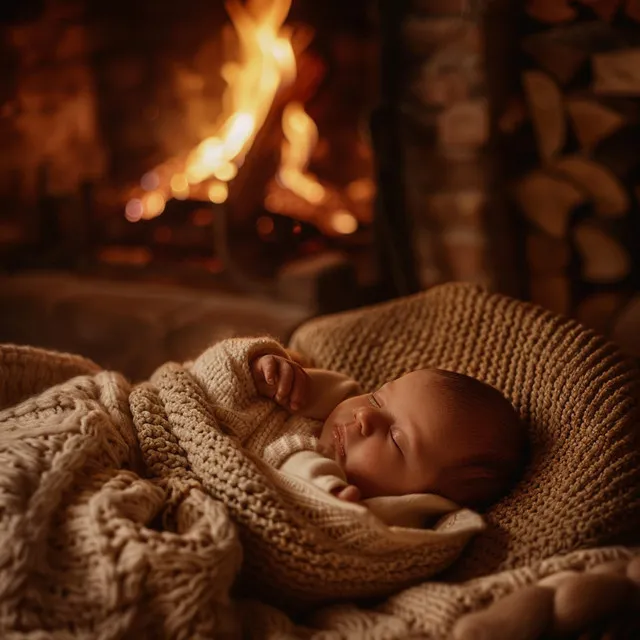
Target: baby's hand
pixel 284 381
pixel 350 493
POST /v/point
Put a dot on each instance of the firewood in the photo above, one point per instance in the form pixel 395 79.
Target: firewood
pixel 632 9
pixel 617 72
pixel 547 113
pixel 604 258
pixel 551 11
pixel 592 121
pixel 597 310
pixel 609 196
pixel 548 201
pixel 556 58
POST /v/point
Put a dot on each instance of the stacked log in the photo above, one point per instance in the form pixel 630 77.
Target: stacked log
pixel 579 197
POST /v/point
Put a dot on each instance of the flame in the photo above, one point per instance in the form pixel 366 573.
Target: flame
pixel 301 137
pixel 267 62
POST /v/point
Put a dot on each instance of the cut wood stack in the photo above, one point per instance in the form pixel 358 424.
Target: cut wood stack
pixel 579 196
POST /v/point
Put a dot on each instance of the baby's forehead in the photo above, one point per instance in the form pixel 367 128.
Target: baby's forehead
pixel 440 379
pixel 442 391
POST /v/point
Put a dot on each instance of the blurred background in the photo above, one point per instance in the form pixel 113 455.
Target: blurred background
pixel 176 172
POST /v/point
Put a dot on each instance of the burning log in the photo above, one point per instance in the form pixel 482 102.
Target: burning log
pixel 247 190
pixel 336 215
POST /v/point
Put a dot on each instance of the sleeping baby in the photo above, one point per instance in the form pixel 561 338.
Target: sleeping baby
pixel 418 447
pixel 427 434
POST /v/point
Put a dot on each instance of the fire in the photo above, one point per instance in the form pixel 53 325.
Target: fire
pixel 267 62
pixel 301 137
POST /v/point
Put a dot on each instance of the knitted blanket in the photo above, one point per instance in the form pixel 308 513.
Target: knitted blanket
pixel 129 512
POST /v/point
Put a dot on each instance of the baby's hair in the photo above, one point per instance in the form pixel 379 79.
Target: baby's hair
pixel 486 477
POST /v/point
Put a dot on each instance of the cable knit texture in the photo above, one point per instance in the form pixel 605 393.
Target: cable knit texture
pixel 131 512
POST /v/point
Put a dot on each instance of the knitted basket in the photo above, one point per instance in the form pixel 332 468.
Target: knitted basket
pixel 575 391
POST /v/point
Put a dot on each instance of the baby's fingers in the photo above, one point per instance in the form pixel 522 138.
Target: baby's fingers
pixel 286 376
pixel 350 493
pixel 269 367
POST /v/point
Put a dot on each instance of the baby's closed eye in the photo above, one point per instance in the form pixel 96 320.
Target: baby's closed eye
pixel 393 434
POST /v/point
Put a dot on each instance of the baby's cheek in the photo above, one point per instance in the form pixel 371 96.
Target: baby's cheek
pixel 370 473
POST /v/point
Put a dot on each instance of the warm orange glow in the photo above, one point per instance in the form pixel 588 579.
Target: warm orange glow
pixel 150 181
pixel 361 190
pixel 267 62
pixel 344 222
pixel 265 225
pixel 301 137
pixel 218 192
pixel 226 172
pixel 153 205
pixel 179 186
pixel 134 210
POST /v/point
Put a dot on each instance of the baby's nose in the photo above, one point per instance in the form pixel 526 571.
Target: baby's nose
pixel 368 420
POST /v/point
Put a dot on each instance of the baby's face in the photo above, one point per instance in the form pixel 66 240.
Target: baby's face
pixel 413 435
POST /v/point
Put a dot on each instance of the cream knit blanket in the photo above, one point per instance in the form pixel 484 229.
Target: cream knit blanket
pixel 129 513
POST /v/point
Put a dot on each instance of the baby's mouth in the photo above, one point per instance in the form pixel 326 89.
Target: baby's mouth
pixel 338 439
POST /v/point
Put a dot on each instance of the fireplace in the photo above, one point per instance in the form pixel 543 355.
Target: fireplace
pixel 331 153
pixel 225 146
